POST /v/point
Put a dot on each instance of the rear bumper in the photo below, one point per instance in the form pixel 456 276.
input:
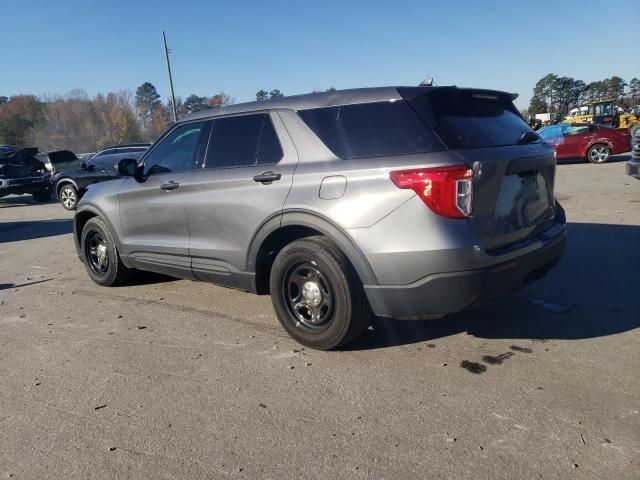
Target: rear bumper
pixel 439 294
pixel 633 168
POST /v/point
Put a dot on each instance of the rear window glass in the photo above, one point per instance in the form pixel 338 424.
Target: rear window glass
pixel 465 119
pixel 371 129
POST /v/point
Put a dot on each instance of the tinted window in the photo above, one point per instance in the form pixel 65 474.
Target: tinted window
pixel 177 151
pixel 234 141
pixel 371 129
pixel 62 156
pixel 471 119
pixel 270 150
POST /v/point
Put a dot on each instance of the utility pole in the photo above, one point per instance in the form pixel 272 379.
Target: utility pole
pixel 173 97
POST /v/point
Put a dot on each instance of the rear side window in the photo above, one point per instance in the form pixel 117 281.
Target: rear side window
pixel 468 119
pixel 243 141
pixel 270 150
pixel 371 129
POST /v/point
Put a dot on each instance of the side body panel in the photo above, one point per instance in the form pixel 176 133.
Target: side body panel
pixel 225 208
pixel 153 222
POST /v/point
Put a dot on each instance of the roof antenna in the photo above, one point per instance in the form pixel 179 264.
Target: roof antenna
pixel 427 82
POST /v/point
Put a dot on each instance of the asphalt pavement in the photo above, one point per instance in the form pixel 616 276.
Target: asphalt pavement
pixel 170 378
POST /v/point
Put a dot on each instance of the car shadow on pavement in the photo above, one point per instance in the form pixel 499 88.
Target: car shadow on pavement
pixel 591 293
pixel 7 286
pixel 28 230
pixel 141 277
pixel 12 201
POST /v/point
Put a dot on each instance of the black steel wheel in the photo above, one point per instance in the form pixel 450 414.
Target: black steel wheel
pixel 308 295
pixel 317 295
pixel 100 256
pixel 96 252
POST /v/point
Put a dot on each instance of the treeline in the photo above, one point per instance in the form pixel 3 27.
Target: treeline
pixel 77 122
pixel 556 94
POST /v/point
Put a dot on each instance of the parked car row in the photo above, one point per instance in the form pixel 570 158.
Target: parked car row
pixel 27 171
pixel 70 184
pixel 595 143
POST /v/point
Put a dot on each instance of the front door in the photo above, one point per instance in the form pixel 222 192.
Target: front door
pixel 573 140
pixel 242 181
pixel 153 209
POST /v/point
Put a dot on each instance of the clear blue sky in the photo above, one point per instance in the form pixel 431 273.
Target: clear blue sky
pixel 52 47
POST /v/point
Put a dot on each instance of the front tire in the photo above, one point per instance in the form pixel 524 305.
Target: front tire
pixel 317 295
pixel 100 256
pixel 68 196
pixel 598 153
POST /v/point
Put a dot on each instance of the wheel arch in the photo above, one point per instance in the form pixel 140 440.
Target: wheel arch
pixel 64 181
pixel 280 230
pixel 83 214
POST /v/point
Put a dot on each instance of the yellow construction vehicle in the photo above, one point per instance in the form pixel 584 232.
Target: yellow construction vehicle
pixel 603 112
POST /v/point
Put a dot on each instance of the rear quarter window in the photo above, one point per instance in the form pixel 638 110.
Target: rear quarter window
pixel 371 129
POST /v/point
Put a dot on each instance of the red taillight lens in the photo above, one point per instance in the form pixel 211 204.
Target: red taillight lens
pixel 448 191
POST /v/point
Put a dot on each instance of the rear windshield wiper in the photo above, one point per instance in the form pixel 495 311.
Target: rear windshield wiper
pixel 528 137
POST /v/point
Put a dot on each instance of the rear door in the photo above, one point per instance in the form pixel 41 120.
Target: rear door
pixel 513 170
pixel 153 214
pixel 243 180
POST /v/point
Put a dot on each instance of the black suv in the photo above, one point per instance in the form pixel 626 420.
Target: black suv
pixel 21 172
pixel 71 184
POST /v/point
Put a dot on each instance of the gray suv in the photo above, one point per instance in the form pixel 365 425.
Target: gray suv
pixel 403 202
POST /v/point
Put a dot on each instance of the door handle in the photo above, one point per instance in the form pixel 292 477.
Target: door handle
pixel 267 177
pixel 171 185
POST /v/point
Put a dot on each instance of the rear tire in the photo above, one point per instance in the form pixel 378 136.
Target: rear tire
pixel 42 196
pixel 68 196
pixel 100 255
pixel 598 153
pixel 317 295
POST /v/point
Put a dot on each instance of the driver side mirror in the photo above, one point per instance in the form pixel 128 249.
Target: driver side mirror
pixel 128 167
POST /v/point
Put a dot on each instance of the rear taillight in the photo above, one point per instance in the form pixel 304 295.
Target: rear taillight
pixel 448 191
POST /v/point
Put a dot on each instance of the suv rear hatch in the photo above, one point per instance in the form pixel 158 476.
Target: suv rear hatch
pixel 513 170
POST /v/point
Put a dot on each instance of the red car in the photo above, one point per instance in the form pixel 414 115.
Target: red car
pixel 584 140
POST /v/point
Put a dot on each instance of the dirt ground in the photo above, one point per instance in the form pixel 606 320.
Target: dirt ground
pixel 176 379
